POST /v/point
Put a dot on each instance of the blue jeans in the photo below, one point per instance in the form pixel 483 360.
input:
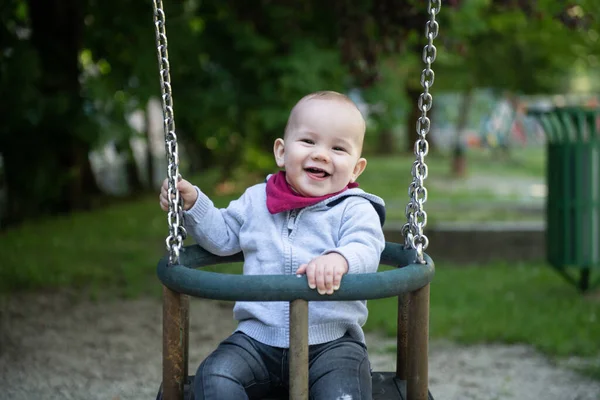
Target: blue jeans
pixel 242 368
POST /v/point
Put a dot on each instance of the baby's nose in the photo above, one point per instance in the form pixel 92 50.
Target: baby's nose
pixel 321 155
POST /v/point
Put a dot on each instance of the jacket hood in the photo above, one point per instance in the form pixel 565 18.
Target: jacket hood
pixel 376 201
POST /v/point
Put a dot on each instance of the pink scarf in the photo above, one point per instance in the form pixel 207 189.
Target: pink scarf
pixel 281 197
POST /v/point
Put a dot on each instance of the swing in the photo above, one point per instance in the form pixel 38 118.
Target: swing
pixel 409 281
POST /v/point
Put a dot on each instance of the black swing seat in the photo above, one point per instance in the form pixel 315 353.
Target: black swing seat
pixel 407 277
pixel 385 387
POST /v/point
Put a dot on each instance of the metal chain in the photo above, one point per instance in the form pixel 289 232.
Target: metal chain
pixel 416 216
pixel 177 233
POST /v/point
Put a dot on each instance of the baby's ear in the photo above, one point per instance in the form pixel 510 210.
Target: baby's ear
pixel 360 166
pixel 278 152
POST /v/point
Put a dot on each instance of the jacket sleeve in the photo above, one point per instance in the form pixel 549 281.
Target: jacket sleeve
pixel 216 229
pixel 361 239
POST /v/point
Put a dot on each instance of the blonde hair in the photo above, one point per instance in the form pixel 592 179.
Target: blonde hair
pixel 322 95
pixel 327 95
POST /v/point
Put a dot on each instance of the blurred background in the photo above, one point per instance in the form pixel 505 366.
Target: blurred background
pixel 82 149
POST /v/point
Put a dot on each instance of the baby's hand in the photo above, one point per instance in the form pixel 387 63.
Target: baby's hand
pixel 325 272
pixel 186 191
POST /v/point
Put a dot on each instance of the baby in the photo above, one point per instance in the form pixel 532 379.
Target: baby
pixel 310 218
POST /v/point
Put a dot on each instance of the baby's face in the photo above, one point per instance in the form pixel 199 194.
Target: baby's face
pixel 322 147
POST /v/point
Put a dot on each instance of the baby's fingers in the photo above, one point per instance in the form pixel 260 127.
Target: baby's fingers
pixel 309 270
pixel 329 272
pixel 320 278
pixel 301 269
pixel 337 277
pixel 311 274
pixel 162 200
pixel 164 204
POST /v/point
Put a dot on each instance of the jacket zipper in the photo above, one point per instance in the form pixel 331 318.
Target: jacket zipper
pixel 291 221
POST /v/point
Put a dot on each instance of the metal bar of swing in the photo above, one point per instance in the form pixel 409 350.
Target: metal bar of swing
pixel 175 343
pixel 298 349
pixel 175 305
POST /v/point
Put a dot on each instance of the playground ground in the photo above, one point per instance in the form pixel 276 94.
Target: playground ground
pixel 62 347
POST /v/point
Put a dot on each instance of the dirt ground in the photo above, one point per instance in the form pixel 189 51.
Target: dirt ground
pixel 57 347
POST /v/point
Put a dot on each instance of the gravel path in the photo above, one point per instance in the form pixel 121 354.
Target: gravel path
pixel 57 347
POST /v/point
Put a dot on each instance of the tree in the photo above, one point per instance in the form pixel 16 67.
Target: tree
pixel 46 130
pixel 75 70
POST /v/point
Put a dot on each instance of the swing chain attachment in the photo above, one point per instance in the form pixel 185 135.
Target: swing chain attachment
pixel 177 233
pixel 415 214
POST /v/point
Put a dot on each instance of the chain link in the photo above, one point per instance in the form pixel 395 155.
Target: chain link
pixel 416 217
pixel 177 233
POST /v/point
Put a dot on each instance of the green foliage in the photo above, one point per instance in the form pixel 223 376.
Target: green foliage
pixel 525 50
pixel 387 101
pixel 236 73
pixel 19 70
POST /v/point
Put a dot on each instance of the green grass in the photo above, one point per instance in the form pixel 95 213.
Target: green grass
pixel 389 177
pixel 391 174
pixel 591 370
pixel 506 303
pixel 115 248
pixel 523 162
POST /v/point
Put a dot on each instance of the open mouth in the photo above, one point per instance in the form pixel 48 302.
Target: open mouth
pixel 317 172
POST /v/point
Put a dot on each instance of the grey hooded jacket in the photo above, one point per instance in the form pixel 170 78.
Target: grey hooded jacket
pixel 349 223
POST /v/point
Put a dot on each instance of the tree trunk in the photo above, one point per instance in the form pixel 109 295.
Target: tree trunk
pixel 46 175
pixel 134 181
pixel 32 186
pixel 386 142
pixel 459 161
pixel 149 153
pixel 47 166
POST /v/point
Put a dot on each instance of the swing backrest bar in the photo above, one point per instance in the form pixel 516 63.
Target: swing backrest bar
pixel 218 286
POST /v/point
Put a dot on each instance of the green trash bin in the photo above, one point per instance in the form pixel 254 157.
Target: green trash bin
pixel 573 199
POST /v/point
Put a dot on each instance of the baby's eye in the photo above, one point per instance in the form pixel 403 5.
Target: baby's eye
pixel 338 148
pixel 307 141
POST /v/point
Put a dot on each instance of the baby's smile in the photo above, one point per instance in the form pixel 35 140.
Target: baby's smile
pixel 317 172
